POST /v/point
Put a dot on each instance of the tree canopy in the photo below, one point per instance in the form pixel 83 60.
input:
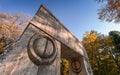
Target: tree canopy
pixel 10 28
pixel 101 52
pixel 110 11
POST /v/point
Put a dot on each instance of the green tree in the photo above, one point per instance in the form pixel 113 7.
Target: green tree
pixel 115 35
pixel 116 39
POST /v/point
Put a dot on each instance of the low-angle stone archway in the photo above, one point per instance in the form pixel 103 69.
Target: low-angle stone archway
pixel 41 46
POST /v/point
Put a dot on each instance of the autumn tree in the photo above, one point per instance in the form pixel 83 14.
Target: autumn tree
pixel 100 51
pixel 110 11
pixel 64 67
pixel 10 28
pixel 89 40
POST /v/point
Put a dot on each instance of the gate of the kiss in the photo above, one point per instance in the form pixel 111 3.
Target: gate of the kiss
pixel 49 41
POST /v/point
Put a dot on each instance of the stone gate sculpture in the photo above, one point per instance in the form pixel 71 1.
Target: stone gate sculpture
pixel 41 46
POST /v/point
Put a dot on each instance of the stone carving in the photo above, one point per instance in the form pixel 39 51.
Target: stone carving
pixel 42 49
pixel 76 65
pixel 41 46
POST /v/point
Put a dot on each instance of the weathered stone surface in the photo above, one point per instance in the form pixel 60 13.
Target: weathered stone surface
pixel 42 44
pixel 18 62
pixel 45 20
pixel 70 46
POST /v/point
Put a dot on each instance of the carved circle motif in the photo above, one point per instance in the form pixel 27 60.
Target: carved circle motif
pixel 42 49
pixel 76 65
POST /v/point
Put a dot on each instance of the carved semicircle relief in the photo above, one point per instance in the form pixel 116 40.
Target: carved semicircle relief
pixel 42 49
pixel 76 65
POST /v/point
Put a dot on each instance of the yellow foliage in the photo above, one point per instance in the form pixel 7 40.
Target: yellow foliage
pixel 64 66
pixel 100 50
pixel 107 56
pixel 90 36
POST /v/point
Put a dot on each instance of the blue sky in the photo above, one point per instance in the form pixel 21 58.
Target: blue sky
pixel 78 16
